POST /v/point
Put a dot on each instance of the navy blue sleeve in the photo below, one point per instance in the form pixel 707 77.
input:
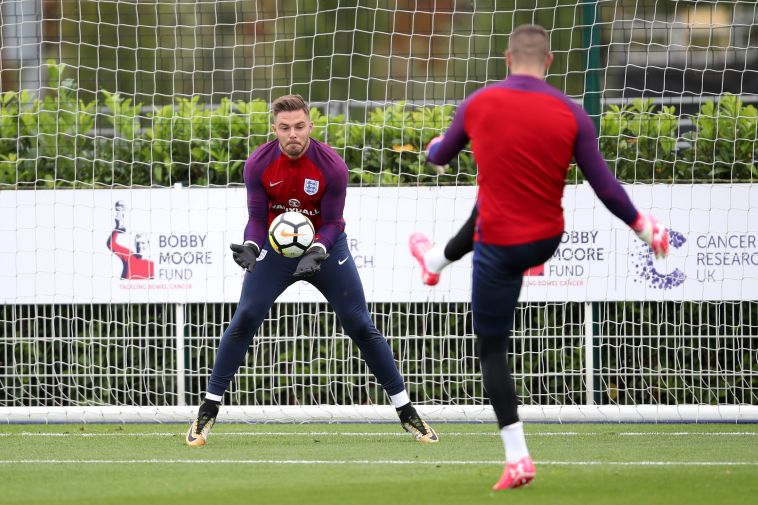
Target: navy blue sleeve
pixel 597 173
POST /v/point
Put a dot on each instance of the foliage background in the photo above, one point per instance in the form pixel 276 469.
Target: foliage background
pixel 198 144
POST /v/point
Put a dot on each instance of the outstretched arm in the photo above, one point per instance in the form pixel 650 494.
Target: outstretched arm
pixel 610 191
pixel 597 173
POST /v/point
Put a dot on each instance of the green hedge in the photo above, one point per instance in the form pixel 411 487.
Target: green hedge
pixel 640 143
pixel 50 141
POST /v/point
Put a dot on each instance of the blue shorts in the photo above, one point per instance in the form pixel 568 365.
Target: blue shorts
pixel 497 278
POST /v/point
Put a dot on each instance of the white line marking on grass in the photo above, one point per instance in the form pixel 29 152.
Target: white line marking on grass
pixel 386 434
pixel 688 433
pixel 361 462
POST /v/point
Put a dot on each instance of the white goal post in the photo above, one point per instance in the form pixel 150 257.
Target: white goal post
pixel 144 112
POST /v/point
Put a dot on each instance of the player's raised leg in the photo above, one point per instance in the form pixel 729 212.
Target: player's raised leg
pixel 434 258
pixel 340 283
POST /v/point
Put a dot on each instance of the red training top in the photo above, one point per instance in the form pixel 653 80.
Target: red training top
pixel 523 135
pixel 315 184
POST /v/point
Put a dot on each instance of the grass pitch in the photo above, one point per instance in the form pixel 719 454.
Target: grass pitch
pixel 375 464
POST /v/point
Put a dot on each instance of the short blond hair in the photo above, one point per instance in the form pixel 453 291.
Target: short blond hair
pixel 529 45
pixel 289 103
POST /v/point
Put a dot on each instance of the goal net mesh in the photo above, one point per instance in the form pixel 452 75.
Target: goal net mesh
pixel 139 96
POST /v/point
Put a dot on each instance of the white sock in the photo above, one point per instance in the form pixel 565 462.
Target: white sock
pixel 400 399
pixel 215 398
pixel 435 259
pixel 514 442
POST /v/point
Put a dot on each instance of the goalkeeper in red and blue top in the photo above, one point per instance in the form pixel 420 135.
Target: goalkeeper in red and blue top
pixel 297 173
pixel 523 135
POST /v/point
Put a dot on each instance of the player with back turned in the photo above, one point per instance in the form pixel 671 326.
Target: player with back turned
pixel 523 135
pixel 297 173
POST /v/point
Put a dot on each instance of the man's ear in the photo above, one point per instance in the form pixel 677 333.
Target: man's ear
pixel 548 60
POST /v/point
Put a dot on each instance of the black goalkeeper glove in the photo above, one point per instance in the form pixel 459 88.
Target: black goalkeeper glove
pixel 310 263
pixel 245 255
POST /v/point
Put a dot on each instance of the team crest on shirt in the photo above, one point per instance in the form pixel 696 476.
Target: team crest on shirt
pixel 310 187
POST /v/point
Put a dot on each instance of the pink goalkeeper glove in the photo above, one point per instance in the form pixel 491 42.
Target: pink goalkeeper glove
pixel 436 140
pixel 652 232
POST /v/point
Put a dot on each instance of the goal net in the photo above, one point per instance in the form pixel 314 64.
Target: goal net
pixel 124 127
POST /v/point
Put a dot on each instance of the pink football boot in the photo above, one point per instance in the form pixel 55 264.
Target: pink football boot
pixel 516 474
pixel 419 244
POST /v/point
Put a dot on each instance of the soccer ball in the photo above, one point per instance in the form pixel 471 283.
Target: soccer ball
pixel 290 234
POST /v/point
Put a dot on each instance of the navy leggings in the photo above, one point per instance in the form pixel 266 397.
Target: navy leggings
pixel 340 284
pixel 497 278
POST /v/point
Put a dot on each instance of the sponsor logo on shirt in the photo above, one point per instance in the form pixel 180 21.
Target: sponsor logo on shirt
pixel 294 202
pixel 287 208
